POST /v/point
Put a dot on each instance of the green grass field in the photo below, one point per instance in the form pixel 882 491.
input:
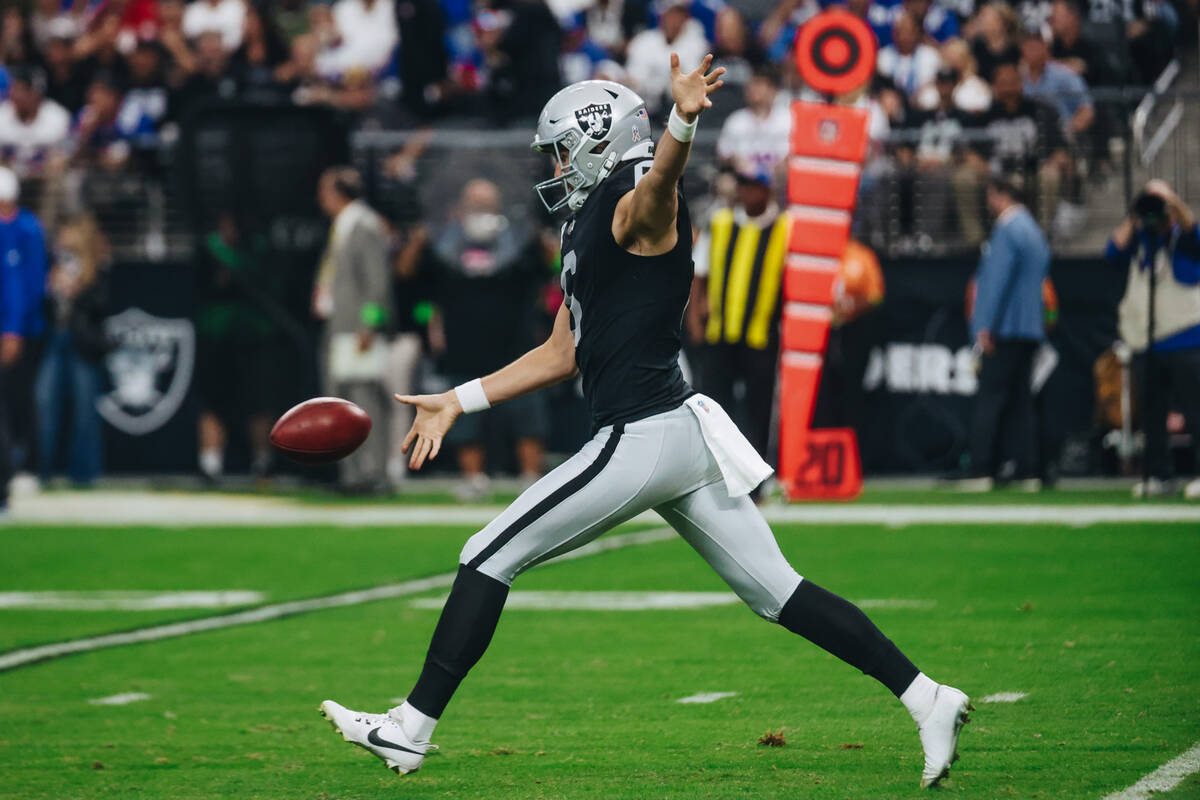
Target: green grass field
pixel 1097 625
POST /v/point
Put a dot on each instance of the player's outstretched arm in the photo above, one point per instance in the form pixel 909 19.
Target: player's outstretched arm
pixel 644 222
pixel 549 363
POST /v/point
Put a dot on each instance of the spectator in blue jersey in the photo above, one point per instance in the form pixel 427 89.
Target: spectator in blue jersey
pixel 106 129
pixel 934 20
pixel 12 304
pixel 23 251
pixel 1160 236
pixel 147 96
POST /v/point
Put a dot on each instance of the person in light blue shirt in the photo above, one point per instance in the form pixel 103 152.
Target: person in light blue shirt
pixel 1007 324
pixel 1052 83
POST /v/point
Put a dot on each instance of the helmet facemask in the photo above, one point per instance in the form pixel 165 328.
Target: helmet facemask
pixel 571 186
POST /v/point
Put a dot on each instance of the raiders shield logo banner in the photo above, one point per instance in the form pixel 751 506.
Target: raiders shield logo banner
pixel 595 120
pixel 150 367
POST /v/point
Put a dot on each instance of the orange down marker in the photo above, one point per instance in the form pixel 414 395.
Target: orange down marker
pixel 835 52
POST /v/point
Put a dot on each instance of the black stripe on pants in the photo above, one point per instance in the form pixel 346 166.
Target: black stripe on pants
pixel 472 611
pixel 553 499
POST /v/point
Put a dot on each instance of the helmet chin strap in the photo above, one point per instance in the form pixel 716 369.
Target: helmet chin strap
pixel 577 199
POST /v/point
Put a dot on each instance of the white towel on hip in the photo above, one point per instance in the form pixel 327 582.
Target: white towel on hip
pixel 741 465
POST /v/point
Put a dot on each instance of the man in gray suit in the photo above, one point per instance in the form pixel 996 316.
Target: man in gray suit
pixel 352 296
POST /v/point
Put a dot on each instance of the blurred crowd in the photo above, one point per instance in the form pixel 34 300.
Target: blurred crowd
pixel 114 75
pixel 91 90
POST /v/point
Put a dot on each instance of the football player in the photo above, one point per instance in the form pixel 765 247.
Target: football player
pixel 627 272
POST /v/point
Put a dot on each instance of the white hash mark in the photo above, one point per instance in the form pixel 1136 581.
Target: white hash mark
pixel 1004 697
pixel 602 601
pixel 123 699
pixel 705 697
pixel 129 600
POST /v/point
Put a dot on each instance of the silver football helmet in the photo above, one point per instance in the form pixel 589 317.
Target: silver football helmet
pixel 589 127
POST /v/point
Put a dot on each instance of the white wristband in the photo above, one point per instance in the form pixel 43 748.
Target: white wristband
pixel 472 397
pixel 682 131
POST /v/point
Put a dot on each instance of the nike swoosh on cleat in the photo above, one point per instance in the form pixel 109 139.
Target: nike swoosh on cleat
pixel 374 738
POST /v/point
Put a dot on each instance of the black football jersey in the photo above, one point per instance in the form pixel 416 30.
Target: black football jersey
pixel 626 310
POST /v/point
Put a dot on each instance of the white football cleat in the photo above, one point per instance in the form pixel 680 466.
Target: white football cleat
pixel 939 733
pixel 378 734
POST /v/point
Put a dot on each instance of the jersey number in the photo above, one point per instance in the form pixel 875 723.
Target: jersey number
pixel 568 286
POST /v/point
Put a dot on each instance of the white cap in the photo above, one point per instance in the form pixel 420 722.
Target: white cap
pixel 10 187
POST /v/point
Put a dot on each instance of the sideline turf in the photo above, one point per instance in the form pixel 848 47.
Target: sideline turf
pixel 1098 625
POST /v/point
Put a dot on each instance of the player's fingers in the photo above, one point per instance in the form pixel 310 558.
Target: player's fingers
pixel 674 64
pixel 712 87
pixel 704 63
pixel 408 440
pixel 437 446
pixel 712 77
pixel 423 451
pixel 411 399
pixel 417 457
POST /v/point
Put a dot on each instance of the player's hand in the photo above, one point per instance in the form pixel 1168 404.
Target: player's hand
pixel 436 414
pixel 690 90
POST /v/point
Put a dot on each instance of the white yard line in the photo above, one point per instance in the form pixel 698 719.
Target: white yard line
pixel 1004 697
pixel 123 699
pixel 896 602
pixel 1163 779
pixel 899 516
pixel 128 600
pixel 180 509
pixel 602 601
pixel 31 655
pixel 706 697
pixel 645 601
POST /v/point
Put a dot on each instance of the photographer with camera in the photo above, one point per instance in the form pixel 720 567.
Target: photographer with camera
pixel 1159 243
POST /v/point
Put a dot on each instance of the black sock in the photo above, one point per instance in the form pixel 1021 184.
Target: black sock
pixel 462 635
pixel 839 627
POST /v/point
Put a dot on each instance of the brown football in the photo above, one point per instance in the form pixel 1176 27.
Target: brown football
pixel 321 430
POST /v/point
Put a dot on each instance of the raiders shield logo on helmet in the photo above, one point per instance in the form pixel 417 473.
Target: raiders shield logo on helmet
pixel 595 119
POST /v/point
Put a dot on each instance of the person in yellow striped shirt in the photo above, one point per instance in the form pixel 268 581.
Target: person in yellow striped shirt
pixel 737 303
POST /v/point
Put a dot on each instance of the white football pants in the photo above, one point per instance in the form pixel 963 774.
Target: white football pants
pixel 661 462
